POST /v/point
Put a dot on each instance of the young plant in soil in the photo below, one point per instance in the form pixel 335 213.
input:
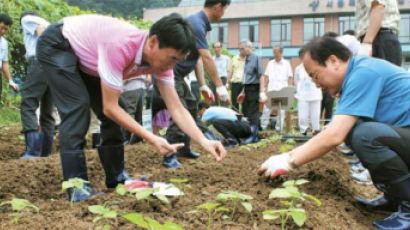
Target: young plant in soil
pixel 77 185
pixel 263 143
pixel 104 215
pixel 287 146
pixel 151 224
pixel 180 182
pixel 234 199
pixel 293 200
pixel 211 209
pixel 19 206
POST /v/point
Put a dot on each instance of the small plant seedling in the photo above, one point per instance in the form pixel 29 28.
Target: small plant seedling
pixel 149 223
pixel 235 198
pixel 19 206
pixel 103 214
pixel 210 209
pixel 287 146
pixel 179 182
pixel 148 193
pixel 293 199
pixel 77 185
pixel 121 189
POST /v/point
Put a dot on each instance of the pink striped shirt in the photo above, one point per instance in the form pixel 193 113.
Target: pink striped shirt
pixel 109 48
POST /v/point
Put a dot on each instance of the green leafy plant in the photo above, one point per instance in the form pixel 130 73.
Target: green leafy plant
pixel 19 206
pixel 104 214
pixel 211 209
pixel 180 182
pixel 287 146
pixel 234 199
pixel 293 200
pixel 263 143
pixel 77 185
pixel 148 193
pixel 149 223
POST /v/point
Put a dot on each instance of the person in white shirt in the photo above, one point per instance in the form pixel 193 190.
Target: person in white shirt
pixel 309 99
pixel 222 63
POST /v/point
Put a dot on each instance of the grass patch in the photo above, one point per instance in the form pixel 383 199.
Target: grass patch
pixel 9 116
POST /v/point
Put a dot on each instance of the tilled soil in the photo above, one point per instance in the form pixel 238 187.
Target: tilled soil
pixel 40 182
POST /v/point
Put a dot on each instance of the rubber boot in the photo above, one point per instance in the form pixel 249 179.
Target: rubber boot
pixel 381 203
pixel 95 140
pixel 399 189
pixel 74 166
pixel 34 141
pixel 186 151
pixel 47 148
pixel 231 142
pixel 171 161
pixel 253 138
pixel 210 136
pixel 112 160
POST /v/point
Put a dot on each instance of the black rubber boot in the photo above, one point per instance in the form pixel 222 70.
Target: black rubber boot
pixel 399 189
pixel 112 160
pixel 34 142
pixel 186 151
pixel 74 166
pixel 253 138
pixel 47 148
pixel 95 140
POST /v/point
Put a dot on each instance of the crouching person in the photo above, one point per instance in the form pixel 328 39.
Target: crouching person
pixel 87 58
pixel 372 116
pixel 227 122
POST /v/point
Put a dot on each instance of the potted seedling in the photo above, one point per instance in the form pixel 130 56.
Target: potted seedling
pixel 104 215
pixel 77 185
pixel 148 223
pixel 293 199
pixel 234 199
pixel 19 206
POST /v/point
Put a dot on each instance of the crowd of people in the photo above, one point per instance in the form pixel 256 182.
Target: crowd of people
pixel 98 68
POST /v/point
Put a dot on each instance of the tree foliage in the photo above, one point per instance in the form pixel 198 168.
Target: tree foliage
pixel 127 8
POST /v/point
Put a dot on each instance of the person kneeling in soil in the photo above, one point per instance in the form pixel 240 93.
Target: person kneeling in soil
pixel 87 58
pixel 227 122
pixel 372 116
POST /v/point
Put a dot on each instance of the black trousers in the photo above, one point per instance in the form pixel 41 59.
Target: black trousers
pixel 387 46
pixel 236 89
pixel 232 129
pixel 74 92
pixel 134 106
pixel 195 90
pixel 327 106
pixel 250 106
pixel 35 92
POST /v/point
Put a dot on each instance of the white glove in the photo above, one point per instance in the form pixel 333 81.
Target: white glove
pixel 207 93
pixel 227 85
pixel 276 165
pixel 13 85
pixel 365 49
pixel 222 93
pixel 262 97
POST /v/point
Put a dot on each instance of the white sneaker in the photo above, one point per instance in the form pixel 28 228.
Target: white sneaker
pixel 362 177
pixel 357 168
pixel 343 148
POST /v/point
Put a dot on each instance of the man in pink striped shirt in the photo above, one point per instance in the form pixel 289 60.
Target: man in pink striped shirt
pixel 87 58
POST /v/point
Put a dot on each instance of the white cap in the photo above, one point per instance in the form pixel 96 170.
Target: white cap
pixel 350 42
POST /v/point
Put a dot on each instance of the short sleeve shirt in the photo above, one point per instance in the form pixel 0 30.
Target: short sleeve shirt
pixel 110 49
pixel 253 69
pixel 29 24
pixel 4 56
pixel 376 90
pixel 200 24
pixel 278 74
pixel 237 68
pixel 222 65
pixel 391 17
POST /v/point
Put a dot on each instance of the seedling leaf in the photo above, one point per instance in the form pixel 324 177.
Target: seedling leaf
pixel 298 216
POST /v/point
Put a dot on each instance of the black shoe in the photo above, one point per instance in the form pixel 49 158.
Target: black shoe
pixel 378 204
pixel 171 161
pixel 95 140
pixel 399 220
pixel 112 160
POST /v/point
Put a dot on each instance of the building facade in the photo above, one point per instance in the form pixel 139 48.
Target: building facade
pixel 290 24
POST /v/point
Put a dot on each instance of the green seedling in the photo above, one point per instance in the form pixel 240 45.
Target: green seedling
pixel 211 209
pixel 148 193
pixel 287 146
pixel 121 189
pixel 180 182
pixel 263 143
pixel 149 223
pixel 293 200
pixel 234 199
pixel 103 214
pixel 19 206
pixel 77 185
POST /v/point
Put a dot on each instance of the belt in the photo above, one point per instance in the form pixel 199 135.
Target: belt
pixel 381 30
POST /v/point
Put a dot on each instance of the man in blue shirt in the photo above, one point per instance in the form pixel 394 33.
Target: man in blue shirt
pixel 226 121
pixel 372 116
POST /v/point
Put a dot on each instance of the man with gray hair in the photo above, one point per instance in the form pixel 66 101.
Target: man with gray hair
pixel 254 91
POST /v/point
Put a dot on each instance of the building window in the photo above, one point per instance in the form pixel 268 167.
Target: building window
pixel 346 23
pixel 249 30
pixel 281 30
pixel 312 28
pixel 404 35
pixel 219 33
